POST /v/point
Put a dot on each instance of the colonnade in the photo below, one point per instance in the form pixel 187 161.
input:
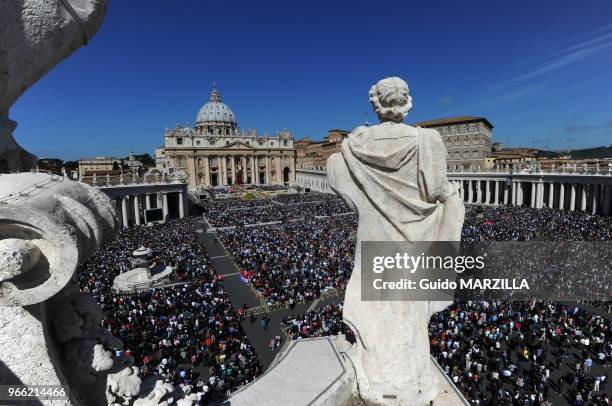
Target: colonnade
pixel 133 206
pixel 562 194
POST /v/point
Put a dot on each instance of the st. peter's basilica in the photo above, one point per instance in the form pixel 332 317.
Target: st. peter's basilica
pixel 217 153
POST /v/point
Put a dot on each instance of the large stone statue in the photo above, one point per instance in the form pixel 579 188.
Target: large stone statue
pixel 395 177
pixel 50 332
pixel 36 35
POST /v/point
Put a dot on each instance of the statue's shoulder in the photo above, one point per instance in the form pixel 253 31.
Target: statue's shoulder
pixel 430 136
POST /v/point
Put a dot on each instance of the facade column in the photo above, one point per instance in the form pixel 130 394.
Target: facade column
pixel 254 170
pixel 551 195
pixel 148 201
pixel 268 180
pixel 470 192
pixel 233 170
pixel 206 170
pixel 136 210
pixel 225 168
pixel 181 205
pixel 607 198
pixel 572 197
pixel 478 192
pixel 561 195
pixel 165 205
pixel 583 198
pixel 595 199
pixel 244 169
pixel 124 211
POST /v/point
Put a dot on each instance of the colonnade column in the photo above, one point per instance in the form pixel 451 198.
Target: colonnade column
pixel 165 204
pixel 470 192
pixel 181 205
pixel 534 191
pixel 148 201
pixel 561 195
pixel 487 191
pixel 496 191
pixel 607 198
pixel 551 195
pixel 506 193
pixel 583 197
pixel 159 200
pixel 540 195
pixel 572 203
pixel 478 192
pixel 124 211
pixel 520 199
pixel 514 192
pixel 136 210
pixel 595 199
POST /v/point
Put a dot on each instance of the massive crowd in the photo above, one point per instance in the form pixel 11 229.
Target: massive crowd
pixel 295 261
pixel 186 332
pixel 507 353
pixel 284 208
pixel 513 353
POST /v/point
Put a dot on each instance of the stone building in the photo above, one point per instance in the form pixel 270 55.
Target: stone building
pixel 217 153
pixel 99 165
pixel 510 158
pixel 468 140
pixel 313 155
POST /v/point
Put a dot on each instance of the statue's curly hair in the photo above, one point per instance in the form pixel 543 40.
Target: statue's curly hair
pixel 390 99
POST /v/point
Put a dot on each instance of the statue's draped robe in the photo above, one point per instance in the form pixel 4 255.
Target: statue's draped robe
pixel 404 178
pixel 395 176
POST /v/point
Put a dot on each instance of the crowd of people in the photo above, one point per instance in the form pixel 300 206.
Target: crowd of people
pixel 524 353
pixel 294 261
pixel 186 332
pixel 507 353
pixel 237 212
pixel 322 321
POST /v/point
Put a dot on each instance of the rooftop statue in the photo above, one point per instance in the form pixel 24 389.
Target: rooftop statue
pixel 394 175
pixel 36 35
pixel 51 333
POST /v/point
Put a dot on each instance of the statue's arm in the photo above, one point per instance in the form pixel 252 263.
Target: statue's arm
pixel 433 181
pixel 338 177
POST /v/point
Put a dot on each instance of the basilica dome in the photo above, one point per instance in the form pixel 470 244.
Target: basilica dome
pixel 215 111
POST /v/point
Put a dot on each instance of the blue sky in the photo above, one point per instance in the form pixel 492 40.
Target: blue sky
pixel 538 70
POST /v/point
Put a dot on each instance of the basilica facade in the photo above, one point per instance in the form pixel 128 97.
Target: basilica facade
pixel 217 153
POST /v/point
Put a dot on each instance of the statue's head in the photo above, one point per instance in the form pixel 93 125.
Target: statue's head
pixel 390 99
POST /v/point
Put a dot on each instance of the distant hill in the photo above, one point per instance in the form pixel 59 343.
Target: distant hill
pixel 586 153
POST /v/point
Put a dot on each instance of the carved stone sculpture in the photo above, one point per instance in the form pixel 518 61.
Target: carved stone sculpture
pixel 50 332
pixel 395 177
pixel 36 35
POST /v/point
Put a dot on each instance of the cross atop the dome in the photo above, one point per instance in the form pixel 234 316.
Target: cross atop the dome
pixel 214 93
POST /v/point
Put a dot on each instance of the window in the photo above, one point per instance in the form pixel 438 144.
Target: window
pixel 212 142
pixel 285 143
pixel 260 142
pixel 179 141
pixel 198 142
